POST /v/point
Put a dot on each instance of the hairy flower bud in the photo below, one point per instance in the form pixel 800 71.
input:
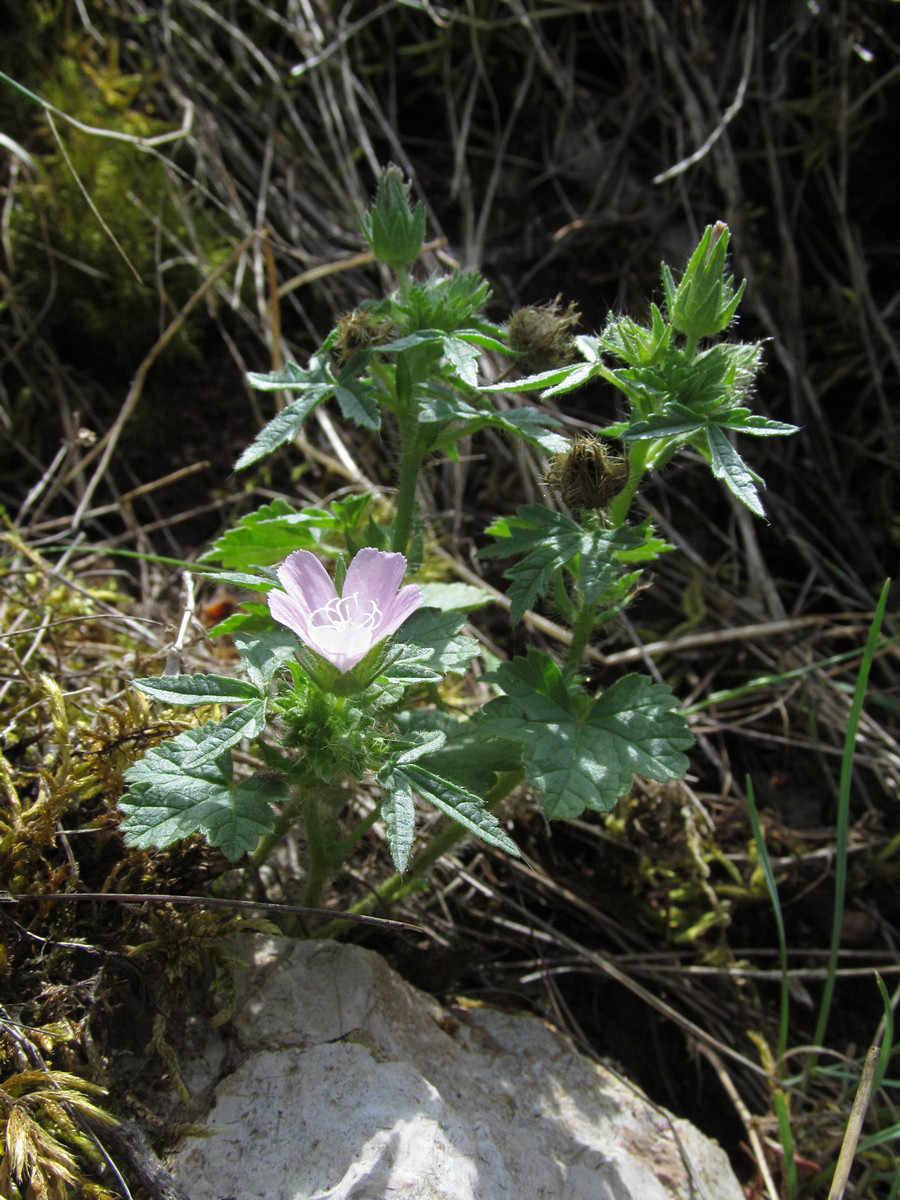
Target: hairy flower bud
pixel 704 301
pixel 393 229
pixel 588 475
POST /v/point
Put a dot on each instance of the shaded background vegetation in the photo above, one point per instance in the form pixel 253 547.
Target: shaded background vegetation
pixel 559 148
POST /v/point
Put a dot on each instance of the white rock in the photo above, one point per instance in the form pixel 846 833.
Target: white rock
pixel 355 1086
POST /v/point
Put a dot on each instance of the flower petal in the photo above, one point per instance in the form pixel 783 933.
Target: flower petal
pixel 343 648
pixel 402 606
pixel 305 580
pixel 374 576
pixel 307 588
pixel 288 612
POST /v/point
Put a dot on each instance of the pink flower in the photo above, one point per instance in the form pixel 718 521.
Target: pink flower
pixel 344 628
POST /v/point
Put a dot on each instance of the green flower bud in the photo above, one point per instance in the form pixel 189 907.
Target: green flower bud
pixel 393 229
pixel 704 302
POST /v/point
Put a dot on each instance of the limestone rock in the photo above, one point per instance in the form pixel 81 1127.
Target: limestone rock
pixel 356 1086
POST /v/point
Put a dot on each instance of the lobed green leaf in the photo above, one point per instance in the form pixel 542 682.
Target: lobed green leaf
pixel 186 786
pixel 582 754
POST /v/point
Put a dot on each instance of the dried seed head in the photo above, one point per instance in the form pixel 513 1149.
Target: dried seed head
pixel 588 475
pixel 358 330
pixel 541 333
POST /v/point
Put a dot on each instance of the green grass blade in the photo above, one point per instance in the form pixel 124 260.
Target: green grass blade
pixel 766 863
pixel 769 681
pixel 789 1165
pixel 843 820
pixel 887 1037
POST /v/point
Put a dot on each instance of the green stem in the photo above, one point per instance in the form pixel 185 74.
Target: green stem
pixel 404 279
pixel 410 462
pixel 287 818
pixel 398 885
pixel 638 462
pixel 317 844
pixel 346 844
pixel 582 628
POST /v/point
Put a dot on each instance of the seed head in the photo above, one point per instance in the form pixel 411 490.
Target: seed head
pixel 541 333
pixel 358 330
pixel 588 475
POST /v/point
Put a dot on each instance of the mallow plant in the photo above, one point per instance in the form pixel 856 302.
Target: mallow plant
pixel 341 689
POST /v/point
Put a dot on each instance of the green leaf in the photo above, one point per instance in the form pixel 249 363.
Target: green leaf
pixel 581 754
pixel 463 358
pixel 578 376
pixel 464 756
pixel 438 407
pixel 647 547
pixel 463 419
pixel 358 402
pixel 282 428
pixel 590 347
pixel 728 466
pixel 533 383
pixel 248 721
pixel 398 808
pixel 454 597
pixel 398 811
pixel 486 342
pixel 424 741
pixel 269 535
pixel 422 337
pixel 603 553
pixel 530 425
pixel 263 651
pixel 176 790
pixel 262 581
pixel 291 377
pixel 230 624
pixel 197 689
pixel 549 541
pixel 433 646
pixel 742 420
pixel 674 421
pixel 464 807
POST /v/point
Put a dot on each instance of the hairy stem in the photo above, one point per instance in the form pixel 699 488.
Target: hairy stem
pixel 410 462
pixel 638 462
pixel 285 820
pixel 581 634
pixel 320 863
pixel 404 279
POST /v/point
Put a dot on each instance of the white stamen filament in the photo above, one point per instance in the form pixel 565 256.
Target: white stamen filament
pixel 342 612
